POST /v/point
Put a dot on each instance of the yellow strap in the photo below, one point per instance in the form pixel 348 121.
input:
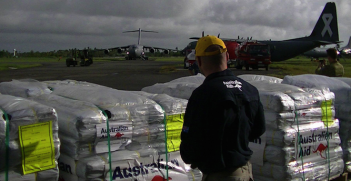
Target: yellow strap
pixel 192 174
pixel 137 153
pixel 327 116
pixel 90 148
pixel 104 159
pixel 35 115
pixel 273 137
pixel 272 170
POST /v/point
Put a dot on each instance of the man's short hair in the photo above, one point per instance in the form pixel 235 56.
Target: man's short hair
pixel 215 60
pixel 332 53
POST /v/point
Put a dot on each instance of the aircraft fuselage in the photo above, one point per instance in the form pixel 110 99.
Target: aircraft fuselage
pixel 135 51
pixel 284 50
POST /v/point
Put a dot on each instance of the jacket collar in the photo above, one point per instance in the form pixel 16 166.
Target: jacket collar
pixel 223 73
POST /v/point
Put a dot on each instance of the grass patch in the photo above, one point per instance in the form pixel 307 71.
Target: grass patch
pixel 39 59
pixel 298 66
pixel 168 69
pixel 18 66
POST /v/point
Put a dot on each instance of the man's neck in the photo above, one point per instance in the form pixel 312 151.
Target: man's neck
pixel 209 72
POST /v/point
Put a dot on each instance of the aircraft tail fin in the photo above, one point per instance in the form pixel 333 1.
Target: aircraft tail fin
pixel 349 43
pixel 140 30
pixel 326 28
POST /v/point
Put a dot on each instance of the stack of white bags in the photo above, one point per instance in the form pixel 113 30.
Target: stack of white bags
pixel 23 112
pixel 301 140
pixel 180 88
pixel 299 145
pixel 136 124
pixel 341 88
pixel 291 113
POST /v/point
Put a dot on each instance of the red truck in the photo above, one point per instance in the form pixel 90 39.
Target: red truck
pixel 189 50
pixel 253 54
pixel 231 47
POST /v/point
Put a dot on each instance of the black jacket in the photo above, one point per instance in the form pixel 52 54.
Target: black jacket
pixel 222 116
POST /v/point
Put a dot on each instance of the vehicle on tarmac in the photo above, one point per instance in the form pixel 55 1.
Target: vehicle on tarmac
pixel 253 54
pixel 231 47
pixel 190 49
pixel 81 57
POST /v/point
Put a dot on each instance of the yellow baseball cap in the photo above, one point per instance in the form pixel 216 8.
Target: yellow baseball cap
pixel 206 41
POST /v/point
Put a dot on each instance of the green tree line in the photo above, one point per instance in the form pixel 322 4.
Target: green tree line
pixel 68 53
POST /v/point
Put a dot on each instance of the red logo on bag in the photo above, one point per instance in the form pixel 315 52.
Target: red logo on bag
pixel 160 178
pixel 118 135
pixel 321 148
pixel 303 114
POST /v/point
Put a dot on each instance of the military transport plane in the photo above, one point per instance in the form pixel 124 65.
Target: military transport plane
pixel 325 32
pixel 322 52
pixel 136 51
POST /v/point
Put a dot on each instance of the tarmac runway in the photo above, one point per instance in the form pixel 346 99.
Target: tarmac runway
pixel 123 75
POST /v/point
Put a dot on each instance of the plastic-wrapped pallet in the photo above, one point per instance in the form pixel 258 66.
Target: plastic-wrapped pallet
pixel 264 78
pixel 46 175
pixel 282 97
pixel 82 122
pixel 342 91
pixel 142 111
pixel 300 131
pixel 102 96
pixel 140 165
pixel 72 82
pixel 344 79
pixel 179 88
pixel 174 115
pixel 24 88
pixel 311 171
pixel 95 166
pixel 25 117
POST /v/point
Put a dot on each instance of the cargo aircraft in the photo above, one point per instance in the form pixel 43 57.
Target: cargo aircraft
pixel 136 51
pixel 325 32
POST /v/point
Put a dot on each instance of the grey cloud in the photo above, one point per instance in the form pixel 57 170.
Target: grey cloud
pixel 47 25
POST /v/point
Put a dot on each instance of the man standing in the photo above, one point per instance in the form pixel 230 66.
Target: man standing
pixel 334 69
pixel 194 69
pixel 222 116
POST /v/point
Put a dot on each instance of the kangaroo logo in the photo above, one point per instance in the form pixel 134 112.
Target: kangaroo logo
pixel 160 178
pixel 321 148
pixel 118 135
pixel 327 19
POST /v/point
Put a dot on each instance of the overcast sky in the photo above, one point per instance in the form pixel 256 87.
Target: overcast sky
pixel 45 25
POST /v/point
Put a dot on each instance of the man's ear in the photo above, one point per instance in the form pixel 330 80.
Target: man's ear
pixel 227 55
pixel 198 59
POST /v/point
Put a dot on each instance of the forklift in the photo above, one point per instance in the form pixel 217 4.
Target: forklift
pixel 83 57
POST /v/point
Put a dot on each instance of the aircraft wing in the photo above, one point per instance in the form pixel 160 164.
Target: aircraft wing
pixel 122 47
pixel 114 48
pixel 158 48
pixel 224 39
pixel 327 42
